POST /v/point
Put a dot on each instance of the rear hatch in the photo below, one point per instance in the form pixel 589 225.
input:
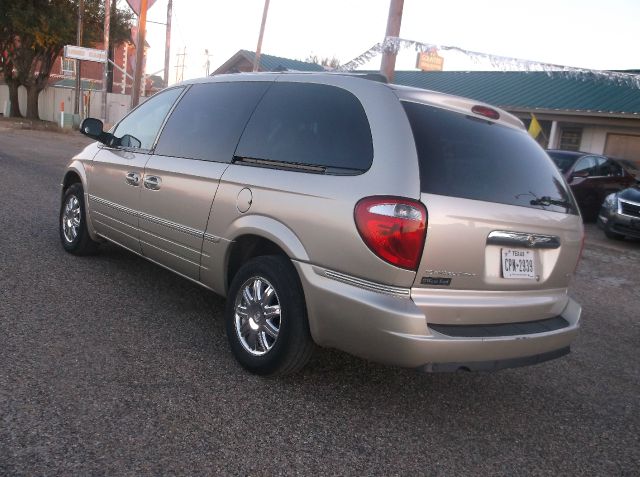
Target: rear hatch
pixel 500 215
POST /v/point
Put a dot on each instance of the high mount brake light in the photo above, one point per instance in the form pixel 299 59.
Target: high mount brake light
pixel 486 112
pixel 393 228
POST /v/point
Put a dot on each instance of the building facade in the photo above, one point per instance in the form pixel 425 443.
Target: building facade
pixel 589 113
pixel 63 73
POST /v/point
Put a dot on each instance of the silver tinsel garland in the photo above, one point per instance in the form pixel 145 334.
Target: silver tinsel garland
pixel 504 63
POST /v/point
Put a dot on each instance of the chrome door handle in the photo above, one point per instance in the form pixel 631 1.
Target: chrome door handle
pixel 132 178
pixel 152 182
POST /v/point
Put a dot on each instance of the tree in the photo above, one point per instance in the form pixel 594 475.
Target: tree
pixel 329 63
pixel 33 34
pixel 119 31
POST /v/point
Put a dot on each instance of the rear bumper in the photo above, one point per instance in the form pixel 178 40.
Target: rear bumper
pixel 495 365
pixel 388 326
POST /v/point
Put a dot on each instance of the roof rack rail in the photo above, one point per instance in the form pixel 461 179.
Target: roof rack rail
pixel 379 77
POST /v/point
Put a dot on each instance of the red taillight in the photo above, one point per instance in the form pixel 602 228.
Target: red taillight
pixel 486 112
pixel 393 228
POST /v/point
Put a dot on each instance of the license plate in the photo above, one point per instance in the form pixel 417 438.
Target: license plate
pixel 517 263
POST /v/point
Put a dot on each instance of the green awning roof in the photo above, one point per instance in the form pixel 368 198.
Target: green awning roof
pixel 530 90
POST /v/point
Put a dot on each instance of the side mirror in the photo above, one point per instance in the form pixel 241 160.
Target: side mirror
pixel 580 175
pixel 92 127
pixel 130 141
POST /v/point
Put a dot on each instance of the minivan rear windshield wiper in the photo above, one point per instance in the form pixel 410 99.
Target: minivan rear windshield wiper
pixel 546 201
pixel 279 164
pixel 293 166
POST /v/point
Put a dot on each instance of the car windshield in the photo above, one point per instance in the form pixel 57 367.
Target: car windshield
pixel 563 161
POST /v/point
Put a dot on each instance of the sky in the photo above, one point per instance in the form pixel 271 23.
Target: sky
pixel 593 34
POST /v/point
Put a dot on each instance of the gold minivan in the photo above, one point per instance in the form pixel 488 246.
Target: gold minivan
pixel 403 226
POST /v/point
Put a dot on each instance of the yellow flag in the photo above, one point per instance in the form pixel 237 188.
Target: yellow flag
pixel 534 128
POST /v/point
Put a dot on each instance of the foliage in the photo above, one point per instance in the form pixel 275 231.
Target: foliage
pixel 325 61
pixel 34 32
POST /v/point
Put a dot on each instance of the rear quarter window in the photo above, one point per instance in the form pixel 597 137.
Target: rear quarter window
pixel 309 124
pixel 472 158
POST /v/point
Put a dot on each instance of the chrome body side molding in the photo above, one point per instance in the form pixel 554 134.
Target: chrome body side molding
pixel 365 284
pixel 156 220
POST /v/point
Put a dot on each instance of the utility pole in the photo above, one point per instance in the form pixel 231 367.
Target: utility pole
pixel 142 26
pixel 256 59
pixel 388 64
pixel 167 46
pixel 180 57
pixel 76 106
pixel 105 73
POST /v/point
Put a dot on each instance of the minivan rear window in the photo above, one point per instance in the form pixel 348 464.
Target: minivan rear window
pixel 464 156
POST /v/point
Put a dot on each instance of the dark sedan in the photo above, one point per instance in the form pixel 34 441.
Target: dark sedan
pixel 592 177
pixel 619 216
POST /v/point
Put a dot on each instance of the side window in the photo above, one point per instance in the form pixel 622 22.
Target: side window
pixel 309 124
pixel 586 164
pixel 207 122
pixel 140 128
pixel 610 168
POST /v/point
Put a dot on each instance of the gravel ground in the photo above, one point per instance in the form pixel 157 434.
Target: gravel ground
pixel 112 365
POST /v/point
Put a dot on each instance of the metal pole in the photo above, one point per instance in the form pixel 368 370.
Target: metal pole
pixel 256 60
pixel 388 64
pixel 76 106
pixel 142 25
pixel 167 46
pixel 105 74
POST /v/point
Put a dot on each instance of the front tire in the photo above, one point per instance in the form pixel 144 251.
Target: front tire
pixel 611 234
pixel 72 223
pixel 266 317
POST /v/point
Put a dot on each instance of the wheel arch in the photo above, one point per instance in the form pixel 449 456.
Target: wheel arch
pixel 76 174
pixel 254 236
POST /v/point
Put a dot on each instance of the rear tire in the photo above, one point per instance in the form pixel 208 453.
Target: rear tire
pixel 72 223
pixel 266 317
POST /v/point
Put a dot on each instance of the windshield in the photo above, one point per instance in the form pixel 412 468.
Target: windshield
pixel 464 156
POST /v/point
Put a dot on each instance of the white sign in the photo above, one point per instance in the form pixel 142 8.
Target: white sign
pixel 86 54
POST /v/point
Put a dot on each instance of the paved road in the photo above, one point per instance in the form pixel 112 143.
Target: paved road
pixel 111 365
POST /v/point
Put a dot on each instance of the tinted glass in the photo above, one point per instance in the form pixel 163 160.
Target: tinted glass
pixel 562 161
pixel 143 123
pixel 463 156
pixel 586 164
pixel 610 168
pixel 209 119
pixel 309 124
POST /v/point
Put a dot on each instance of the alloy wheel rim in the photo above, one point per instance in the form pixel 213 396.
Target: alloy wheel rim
pixel 257 316
pixel 71 219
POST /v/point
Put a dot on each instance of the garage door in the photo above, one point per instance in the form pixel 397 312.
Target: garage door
pixel 624 146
